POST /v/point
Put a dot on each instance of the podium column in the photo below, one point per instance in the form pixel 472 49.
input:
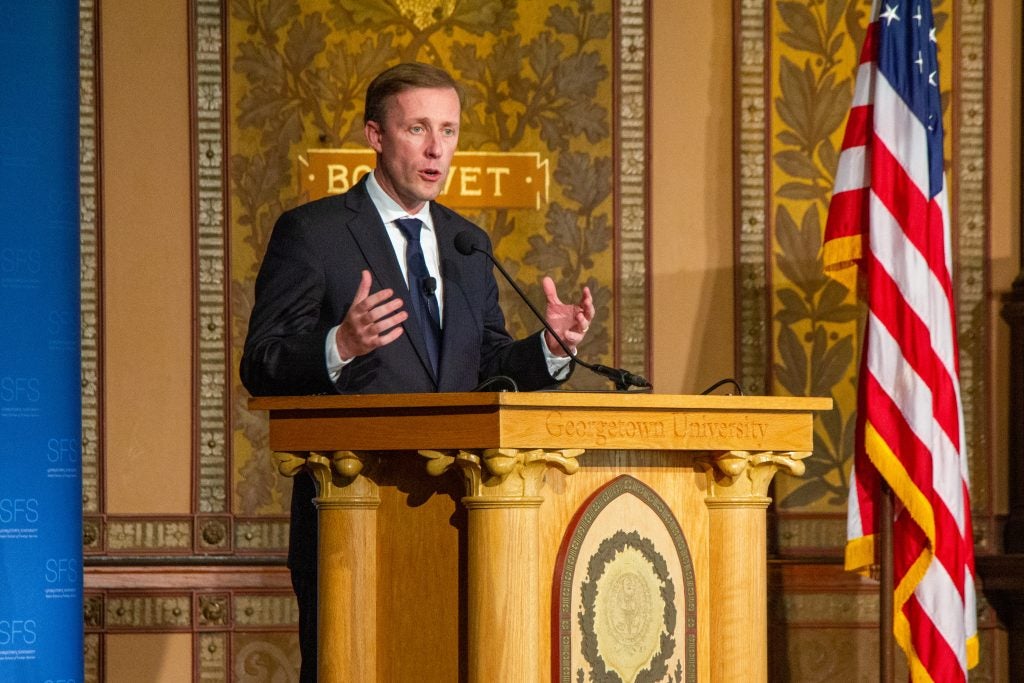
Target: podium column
pixel 347 504
pixel 737 500
pixel 503 502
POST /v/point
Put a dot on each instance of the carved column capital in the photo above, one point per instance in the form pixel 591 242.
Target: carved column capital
pixel 290 463
pixel 503 472
pixel 339 475
pixel 734 475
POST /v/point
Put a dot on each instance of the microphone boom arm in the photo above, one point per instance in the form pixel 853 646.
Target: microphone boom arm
pixel 622 379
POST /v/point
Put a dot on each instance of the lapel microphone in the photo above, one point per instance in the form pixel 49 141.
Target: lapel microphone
pixel 466 244
pixel 429 285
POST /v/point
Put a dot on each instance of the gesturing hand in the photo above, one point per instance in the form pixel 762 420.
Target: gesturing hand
pixel 371 321
pixel 570 321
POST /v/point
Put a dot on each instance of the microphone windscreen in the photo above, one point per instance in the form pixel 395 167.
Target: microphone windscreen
pixel 465 243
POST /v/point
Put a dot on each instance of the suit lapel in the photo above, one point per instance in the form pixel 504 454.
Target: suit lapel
pixel 369 233
pixel 457 315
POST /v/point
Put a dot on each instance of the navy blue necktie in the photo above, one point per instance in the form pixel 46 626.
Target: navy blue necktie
pixel 421 289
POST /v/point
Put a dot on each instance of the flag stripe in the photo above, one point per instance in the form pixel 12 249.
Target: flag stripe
pixel 910 401
pixel 919 289
pixel 858 131
pixel 910 209
pixel 913 336
pixel 939 660
pixel 936 587
pixel 900 131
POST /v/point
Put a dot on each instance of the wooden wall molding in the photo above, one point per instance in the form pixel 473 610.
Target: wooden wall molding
pixel 234 615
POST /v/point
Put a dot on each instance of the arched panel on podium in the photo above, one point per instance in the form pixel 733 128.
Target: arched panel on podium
pixel 449 523
pixel 625 590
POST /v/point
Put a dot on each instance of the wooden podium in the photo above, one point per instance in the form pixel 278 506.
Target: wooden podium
pixel 461 534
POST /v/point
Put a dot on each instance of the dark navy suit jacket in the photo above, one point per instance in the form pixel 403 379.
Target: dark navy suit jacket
pixel 305 285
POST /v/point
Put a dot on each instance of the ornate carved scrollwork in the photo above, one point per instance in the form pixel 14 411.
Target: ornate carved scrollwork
pixel 503 472
pixel 743 474
pixel 290 463
pixel 339 475
pixel 213 532
pixel 90 533
pixel 92 609
pixel 213 610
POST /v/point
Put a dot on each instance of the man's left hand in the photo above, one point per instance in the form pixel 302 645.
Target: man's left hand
pixel 570 321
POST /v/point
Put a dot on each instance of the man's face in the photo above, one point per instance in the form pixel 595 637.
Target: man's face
pixel 415 144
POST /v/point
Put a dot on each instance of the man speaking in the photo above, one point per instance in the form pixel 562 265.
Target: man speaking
pixel 365 292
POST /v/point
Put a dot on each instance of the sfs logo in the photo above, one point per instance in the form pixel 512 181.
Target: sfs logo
pixel 17 631
pixel 19 510
pixel 18 389
pixel 62 570
pixel 63 451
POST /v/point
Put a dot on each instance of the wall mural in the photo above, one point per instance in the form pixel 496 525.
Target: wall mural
pixel 540 149
pixel 801 329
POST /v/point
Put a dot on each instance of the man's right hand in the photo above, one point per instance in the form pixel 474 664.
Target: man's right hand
pixel 372 321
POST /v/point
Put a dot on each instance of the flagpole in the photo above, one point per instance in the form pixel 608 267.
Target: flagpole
pixel 886 588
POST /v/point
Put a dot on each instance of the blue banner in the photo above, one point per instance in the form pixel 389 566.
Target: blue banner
pixel 40 386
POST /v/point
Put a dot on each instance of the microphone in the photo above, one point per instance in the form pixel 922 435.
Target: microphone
pixel 466 244
pixel 429 286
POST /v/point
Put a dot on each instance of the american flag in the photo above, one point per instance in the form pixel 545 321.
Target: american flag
pixel 889 217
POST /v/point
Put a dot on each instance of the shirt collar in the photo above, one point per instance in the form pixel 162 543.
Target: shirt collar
pixel 389 209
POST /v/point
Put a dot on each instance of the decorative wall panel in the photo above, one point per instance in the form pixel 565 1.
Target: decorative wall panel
pixel 823 626
pixel 237 633
pixel 799 330
pixel 563 83
pixel 89 239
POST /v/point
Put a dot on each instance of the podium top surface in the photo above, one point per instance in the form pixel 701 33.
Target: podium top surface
pixel 556 419
pixel 542 399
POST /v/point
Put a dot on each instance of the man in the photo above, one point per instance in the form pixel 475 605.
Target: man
pixel 350 299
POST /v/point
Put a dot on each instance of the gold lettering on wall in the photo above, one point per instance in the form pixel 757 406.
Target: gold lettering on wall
pixel 477 180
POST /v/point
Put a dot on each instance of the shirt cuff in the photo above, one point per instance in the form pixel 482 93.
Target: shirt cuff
pixel 558 366
pixel 335 364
